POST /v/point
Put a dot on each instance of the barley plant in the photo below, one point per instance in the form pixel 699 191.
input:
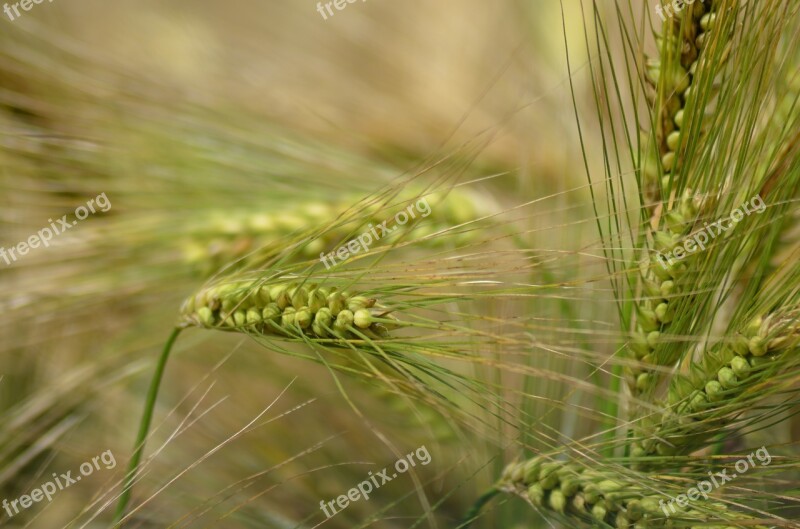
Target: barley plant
pixel 371 264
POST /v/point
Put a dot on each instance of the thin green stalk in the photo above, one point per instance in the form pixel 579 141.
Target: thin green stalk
pixel 144 425
pixel 473 512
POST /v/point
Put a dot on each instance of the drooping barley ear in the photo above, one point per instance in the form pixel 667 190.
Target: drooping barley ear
pixel 227 236
pixel 288 309
pixel 281 309
pixel 604 498
pixel 238 238
pixel 719 387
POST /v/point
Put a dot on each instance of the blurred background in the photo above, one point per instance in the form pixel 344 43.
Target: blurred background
pixel 191 115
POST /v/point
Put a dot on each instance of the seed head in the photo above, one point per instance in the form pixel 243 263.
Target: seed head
pixel 284 309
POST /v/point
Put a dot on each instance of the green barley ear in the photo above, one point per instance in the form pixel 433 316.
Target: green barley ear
pixel 675 79
pixel 582 493
pixel 699 174
pixel 664 279
pixel 286 308
pixel 680 91
pixel 246 239
pixel 729 378
pixel 707 188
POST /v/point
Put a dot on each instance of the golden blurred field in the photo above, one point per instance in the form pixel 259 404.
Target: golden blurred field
pixel 197 118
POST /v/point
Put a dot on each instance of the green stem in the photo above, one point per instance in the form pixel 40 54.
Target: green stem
pixel 144 426
pixel 473 512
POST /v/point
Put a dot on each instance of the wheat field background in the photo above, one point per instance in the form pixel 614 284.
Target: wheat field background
pixel 237 141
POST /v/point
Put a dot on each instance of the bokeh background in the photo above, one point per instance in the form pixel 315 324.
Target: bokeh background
pixel 186 114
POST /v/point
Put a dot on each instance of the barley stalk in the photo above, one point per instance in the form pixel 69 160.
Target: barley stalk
pixel 144 428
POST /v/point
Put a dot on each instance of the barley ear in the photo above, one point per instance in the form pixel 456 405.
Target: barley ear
pixel 673 81
pixel 721 385
pixel 664 280
pixel 288 309
pixel 583 494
